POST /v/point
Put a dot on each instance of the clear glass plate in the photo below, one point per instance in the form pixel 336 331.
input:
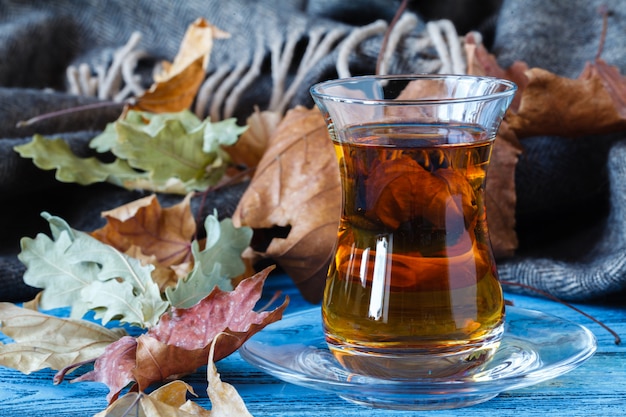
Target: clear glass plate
pixel 535 347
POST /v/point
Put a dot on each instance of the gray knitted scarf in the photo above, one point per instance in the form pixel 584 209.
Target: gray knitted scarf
pixel 61 54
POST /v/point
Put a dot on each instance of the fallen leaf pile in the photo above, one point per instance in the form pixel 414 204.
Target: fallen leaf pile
pixel 180 343
pixel 97 273
pixel 78 270
pixel 145 268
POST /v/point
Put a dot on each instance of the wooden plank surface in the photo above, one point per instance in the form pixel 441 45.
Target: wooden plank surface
pixel 597 388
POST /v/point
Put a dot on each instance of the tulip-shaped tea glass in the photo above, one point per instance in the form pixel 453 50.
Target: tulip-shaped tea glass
pixel 412 289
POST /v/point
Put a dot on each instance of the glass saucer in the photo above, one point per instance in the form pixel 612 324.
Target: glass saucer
pixel 535 347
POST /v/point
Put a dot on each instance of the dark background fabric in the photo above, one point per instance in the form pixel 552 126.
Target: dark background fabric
pixel 566 219
pixel 567 188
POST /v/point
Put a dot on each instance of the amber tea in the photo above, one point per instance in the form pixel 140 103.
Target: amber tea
pixel 413 278
pixel 412 289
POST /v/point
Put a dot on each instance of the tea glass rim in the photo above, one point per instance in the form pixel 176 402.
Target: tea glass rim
pixel 316 89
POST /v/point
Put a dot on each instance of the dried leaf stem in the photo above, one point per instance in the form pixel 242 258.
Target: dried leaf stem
pixel 605 13
pixel 393 23
pixel 618 339
pixel 230 181
pixel 60 375
pixel 91 106
pixel 274 298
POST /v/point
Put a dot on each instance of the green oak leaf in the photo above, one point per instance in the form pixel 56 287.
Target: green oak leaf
pixel 225 132
pixel 46 267
pixel 108 139
pixel 215 265
pixel 178 151
pixel 169 152
pixel 49 154
pixel 78 271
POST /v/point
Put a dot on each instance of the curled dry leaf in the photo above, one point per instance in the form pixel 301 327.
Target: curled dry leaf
pixel 43 341
pixel 180 343
pixel 294 200
pixel 481 62
pixel 500 194
pixel 549 104
pixel 176 87
pixel 169 400
pixel 114 367
pixel 225 399
pixel 594 103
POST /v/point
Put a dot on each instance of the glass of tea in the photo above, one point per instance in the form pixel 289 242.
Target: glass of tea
pixel 412 290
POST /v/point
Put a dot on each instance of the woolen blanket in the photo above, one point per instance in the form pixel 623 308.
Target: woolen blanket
pixel 55 55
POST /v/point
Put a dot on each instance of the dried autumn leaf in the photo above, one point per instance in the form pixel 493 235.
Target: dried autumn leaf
pixel 45 341
pixel 49 154
pixel 167 152
pixel 175 394
pixel 176 87
pixel 252 144
pixel 481 62
pixel 545 104
pixel 166 401
pixel 225 400
pixel 177 152
pixel 549 104
pixel 589 105
pixel 162 235
pixel 114 367
pixel 296 187
pixel 75 270
pixel 216 265
pixel 500 195
pixel 180 343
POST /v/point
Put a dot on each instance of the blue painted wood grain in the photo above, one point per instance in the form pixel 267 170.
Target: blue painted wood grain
pixel 597 388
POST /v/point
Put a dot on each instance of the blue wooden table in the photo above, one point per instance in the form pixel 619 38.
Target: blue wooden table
pixel 597 388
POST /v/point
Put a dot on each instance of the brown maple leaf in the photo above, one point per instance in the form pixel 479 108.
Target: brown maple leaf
pixel 181 342
pixel 294 199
